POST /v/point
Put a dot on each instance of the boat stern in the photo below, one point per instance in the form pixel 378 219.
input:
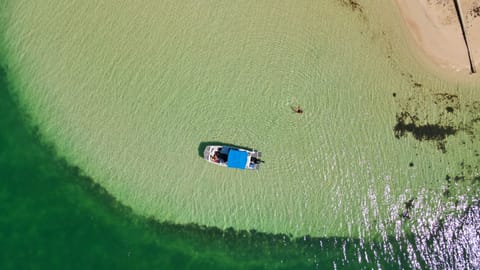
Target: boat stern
pixel 206 152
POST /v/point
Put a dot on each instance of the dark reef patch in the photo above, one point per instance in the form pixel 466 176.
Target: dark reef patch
pixel 407 123
pixel 434 116
pixel 468 175
pixel 408 206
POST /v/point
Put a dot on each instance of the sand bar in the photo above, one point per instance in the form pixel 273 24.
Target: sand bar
pixel 436 30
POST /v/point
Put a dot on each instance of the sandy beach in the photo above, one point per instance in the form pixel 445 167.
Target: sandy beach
pixel 436 29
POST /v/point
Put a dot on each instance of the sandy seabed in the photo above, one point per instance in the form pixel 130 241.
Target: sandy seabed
pixel 128 92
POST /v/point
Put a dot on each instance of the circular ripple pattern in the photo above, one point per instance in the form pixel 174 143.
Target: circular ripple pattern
pixel 129 92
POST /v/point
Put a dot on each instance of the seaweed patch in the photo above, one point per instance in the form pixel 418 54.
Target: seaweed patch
pixel 435 116
pixel 407 124
pixel 414 83
pixel 469 175
pixel 412 119
pixel 354 5
pixel 475 11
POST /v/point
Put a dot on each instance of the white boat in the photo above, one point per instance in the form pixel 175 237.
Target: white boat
pixel 232 157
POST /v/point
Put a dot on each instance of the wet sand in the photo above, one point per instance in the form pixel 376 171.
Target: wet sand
pixel 436 29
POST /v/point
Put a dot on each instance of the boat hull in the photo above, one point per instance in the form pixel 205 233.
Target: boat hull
pixel 219 155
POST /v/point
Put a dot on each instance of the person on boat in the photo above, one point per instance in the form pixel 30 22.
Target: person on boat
pixel 256 160
pixel 215 157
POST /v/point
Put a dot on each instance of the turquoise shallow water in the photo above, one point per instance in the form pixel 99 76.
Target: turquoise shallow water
pixel 361 168
pixel 127 92
pixel 55 218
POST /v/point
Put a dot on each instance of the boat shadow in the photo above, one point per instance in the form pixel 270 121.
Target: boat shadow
pixel 203 145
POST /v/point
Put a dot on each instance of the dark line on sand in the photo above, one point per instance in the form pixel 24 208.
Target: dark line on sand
pixel 459 14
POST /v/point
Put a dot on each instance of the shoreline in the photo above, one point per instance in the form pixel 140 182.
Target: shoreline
pixel 436 30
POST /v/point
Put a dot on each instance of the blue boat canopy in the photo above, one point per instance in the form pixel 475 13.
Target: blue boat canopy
pixel 237 159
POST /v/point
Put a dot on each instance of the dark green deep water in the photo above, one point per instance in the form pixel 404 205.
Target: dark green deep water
pixel 52 217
